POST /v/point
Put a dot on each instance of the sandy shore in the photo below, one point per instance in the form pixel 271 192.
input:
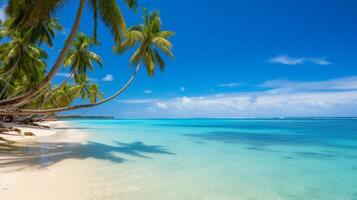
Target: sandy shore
pixel 42 166
pixel 39 132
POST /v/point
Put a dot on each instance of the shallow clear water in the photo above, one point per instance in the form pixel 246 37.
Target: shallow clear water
pixel 205 159
pixel 224 158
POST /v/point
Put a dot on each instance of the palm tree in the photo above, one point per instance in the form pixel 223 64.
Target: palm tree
pixel 11 51
pixel 80 58
pixel 44 32
pixel 150 40
pixel 94 93
pixel 23 65
pixel 28 13
pixel 21 11
pixel 63 96
pixel 22 62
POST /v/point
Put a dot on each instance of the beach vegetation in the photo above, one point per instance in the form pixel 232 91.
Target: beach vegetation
pixel 27 88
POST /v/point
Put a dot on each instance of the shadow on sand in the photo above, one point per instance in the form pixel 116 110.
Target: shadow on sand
pixel 45 154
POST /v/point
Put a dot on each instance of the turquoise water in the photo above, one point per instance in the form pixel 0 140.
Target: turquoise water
pixel 225 159
pixel 209 159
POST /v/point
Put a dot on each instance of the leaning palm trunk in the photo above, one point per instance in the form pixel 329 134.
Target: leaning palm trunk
pixel 33 92
pixel 26 118
pixel 68 108
pixel 42 93
pixel 63 82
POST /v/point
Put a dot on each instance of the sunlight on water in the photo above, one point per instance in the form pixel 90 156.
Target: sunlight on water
pixel 228 159
pixel 215 159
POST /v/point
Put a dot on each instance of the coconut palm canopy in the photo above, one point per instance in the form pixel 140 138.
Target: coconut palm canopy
pixel 26 75
pixel 151 40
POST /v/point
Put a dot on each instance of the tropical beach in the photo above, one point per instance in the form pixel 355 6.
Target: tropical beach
pixel 187 159
pixel 178 100
pixel 26 158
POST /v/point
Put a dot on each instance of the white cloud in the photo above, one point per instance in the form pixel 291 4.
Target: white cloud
pixel 162 105
pixel 182 89
pixel 345 83
pixel 108 78
pixel 137 101
pixel 287 60
pixel 60 74
pixel 186 100
pixel 151 109
pixel 147 91
pixel 229 85
pixel 319 61
pixel 2 13
pixel 262 104
pixel 281 98
pixel 65 75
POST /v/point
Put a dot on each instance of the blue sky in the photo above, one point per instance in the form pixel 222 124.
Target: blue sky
pixel 254 58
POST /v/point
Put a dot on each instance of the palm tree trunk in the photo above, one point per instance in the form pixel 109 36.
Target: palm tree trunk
pixel 42 93
pixel 33 92
pixel 63 82
pixel 68 108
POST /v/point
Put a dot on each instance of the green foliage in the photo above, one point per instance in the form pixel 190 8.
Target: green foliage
pixel 80 59
pixel 151 40
pixel 22 64
pixel 111 15
pixel 28 13
pixel 31 24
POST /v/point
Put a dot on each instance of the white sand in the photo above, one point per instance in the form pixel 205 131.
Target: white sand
pixel 38 131
pixel 58 180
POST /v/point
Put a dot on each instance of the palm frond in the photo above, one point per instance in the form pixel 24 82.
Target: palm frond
pixel 112 17
pixel 158 60
pixel 133 4
pixel 43 9
pixel 132 37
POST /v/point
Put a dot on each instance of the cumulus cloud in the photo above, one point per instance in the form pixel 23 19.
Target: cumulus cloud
pixel 162 105
pixel 262 104
pixel 276 98
pixel 229 85
pixel 108 78
pixel 147 91
pixel 287 60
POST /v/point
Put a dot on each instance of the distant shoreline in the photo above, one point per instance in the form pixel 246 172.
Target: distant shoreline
pixel 83 117
pixel 207 118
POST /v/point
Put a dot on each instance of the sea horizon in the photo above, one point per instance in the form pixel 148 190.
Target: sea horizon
pixel 184 118
pixel 207 159
pixel 178 100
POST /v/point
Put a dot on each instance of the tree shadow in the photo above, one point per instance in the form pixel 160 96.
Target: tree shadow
pixel 267 139
pixel 41 155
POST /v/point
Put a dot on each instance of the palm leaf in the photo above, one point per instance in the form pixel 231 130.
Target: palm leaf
pixel 112 17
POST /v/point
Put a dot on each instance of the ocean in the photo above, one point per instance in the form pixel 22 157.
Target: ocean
pixel 222 159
